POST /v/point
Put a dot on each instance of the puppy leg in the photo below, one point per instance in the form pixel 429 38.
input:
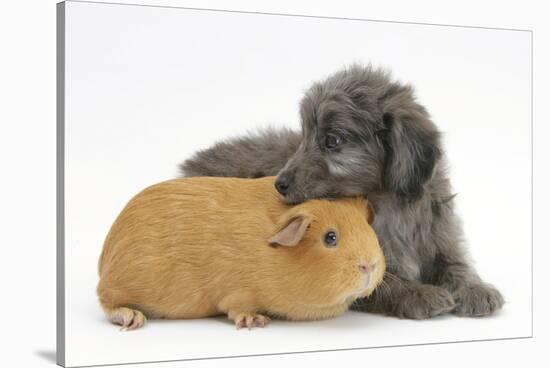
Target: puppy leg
pixel 252 156
pixel 406 299
pixel 473 297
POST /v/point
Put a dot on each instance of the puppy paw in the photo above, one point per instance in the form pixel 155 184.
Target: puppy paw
pixel 424 301
pixel 250 319
pixel 128 319
pixel 477 300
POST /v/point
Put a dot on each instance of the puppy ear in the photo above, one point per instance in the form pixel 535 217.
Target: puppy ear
pixel 370 213
pixel 412 149
pixel 292 232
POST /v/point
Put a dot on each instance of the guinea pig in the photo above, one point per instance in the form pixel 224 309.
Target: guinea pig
pixel 204 246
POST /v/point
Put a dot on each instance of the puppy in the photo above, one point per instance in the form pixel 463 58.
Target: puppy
pixel 365 134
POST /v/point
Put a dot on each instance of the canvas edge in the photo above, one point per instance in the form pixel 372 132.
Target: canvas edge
pixel 60 183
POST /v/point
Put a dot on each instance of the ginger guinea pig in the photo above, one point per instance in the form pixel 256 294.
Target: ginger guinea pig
pixel 199 247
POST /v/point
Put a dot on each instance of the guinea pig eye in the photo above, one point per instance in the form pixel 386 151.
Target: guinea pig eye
pixel 332 141
pixel 331 239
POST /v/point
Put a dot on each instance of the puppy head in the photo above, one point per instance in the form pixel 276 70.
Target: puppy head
pixel 362 133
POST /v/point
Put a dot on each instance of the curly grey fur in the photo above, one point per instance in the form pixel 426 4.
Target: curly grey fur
pixel 391 153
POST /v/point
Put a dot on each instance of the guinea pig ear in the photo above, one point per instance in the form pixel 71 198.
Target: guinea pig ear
pixel 292 232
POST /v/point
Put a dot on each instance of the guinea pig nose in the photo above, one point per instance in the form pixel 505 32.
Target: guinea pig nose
pixel 363 267
pixel 282 184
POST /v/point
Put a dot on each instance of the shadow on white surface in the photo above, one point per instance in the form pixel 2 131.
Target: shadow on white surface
pixel 48 355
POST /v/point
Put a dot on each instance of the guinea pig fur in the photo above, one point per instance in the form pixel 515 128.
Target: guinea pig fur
pixel 204 246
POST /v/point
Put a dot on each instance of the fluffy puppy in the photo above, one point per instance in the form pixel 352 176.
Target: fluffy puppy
pixel 366 134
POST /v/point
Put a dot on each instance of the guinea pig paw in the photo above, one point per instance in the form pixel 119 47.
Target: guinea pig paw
pixel 128 319
pixel 250 319
pixel 477 300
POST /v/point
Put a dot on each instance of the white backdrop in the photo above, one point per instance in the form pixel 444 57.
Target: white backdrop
pixel 147 87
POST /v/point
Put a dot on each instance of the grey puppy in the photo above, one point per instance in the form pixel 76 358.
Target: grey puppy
pixel 365 134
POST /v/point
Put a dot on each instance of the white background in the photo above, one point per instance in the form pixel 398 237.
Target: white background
pixel 29 314
pixel 147 87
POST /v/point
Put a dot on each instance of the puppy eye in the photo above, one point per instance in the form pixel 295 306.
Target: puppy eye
pixel 332 141
pixel 331 239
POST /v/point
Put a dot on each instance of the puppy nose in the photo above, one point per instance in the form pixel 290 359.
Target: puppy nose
pixel 282 184
pixel 363 267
